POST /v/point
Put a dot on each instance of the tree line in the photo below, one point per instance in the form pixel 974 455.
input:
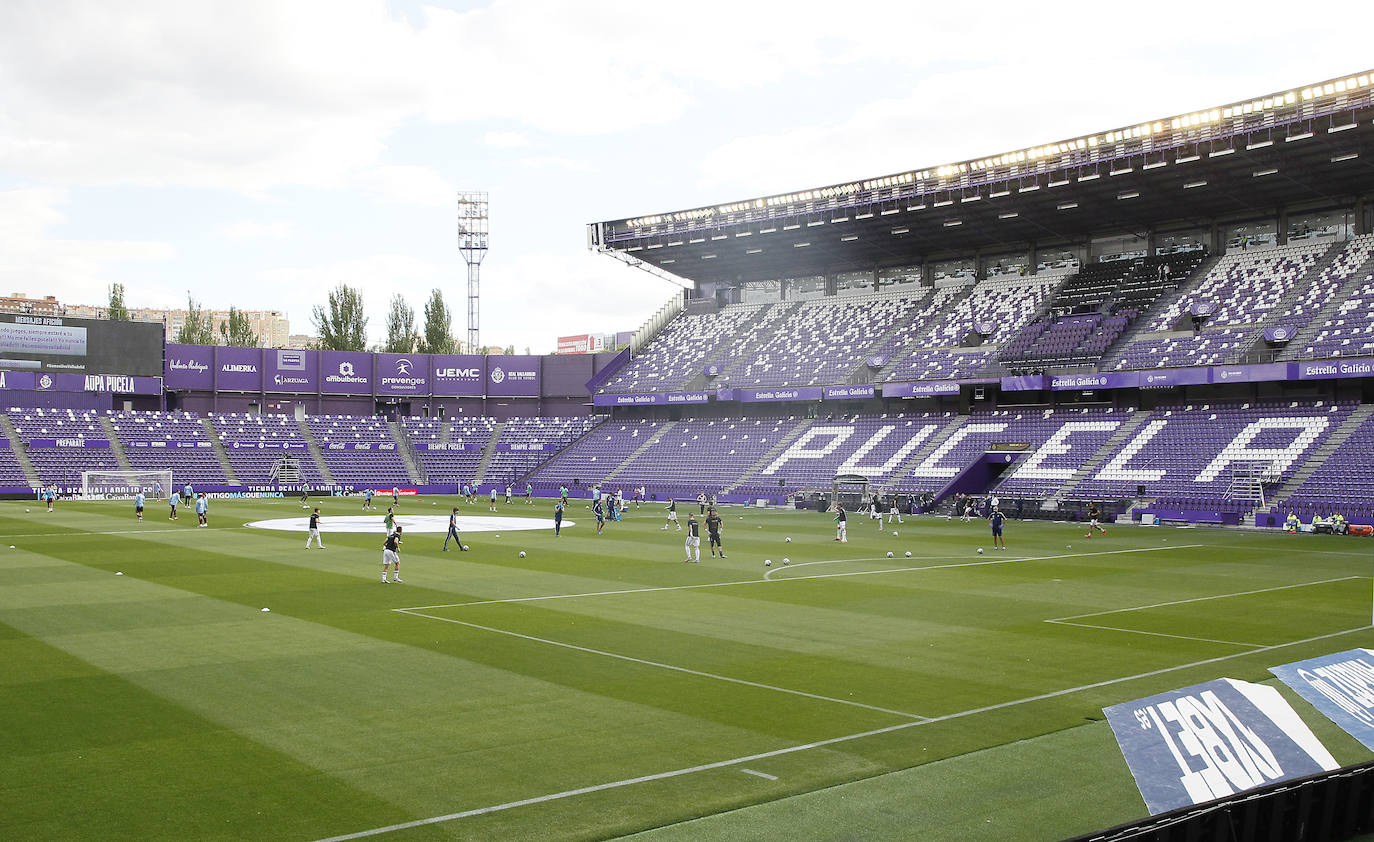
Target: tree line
pixel 340 324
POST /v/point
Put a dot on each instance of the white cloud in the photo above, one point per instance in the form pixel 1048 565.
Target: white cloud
pixel 408 184
pixel 76 271
pixel 249 229
pixel 506 140
pixel 558 162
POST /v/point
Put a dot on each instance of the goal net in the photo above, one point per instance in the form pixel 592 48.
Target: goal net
pixel 154 484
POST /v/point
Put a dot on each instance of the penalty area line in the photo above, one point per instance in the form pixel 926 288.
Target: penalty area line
pixel 660 665
pixel 736 761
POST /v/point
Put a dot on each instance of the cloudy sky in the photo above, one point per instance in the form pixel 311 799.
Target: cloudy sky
pixel 257 153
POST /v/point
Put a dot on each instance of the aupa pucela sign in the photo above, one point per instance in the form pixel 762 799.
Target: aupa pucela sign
pixel 1213 740
pixel 1341 686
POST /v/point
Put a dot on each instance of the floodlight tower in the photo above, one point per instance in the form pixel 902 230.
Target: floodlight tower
pixel 472 244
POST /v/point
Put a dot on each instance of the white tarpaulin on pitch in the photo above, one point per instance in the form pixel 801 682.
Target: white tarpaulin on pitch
pixel 410 523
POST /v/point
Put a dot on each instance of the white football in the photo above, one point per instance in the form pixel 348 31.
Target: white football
pixel 908 553
pixel 889 553
pixel 894 534
pixel 26 510
pixel 787 561
pixel 266 610
pixel 768 562
pixel 119 572
pixel 787 540
pixel 980 551
pixel 1068 546
pixel 522 553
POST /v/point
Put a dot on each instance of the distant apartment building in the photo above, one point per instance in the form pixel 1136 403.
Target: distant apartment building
pixel 271 326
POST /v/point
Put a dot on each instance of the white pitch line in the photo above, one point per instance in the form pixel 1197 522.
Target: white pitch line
pixel 79 534
pixel 662 665
pixel 767 576
pixel 1154 634
pixel 675 773
pixel 1205 598
pixel 764 775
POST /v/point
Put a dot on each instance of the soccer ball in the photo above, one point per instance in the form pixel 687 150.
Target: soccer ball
pixel 26 510
pixel 894 534
pixel 908 553
pixel 889 553
pixel 980 551
pixel 787 540
pixel 522 553
pixel 768 562
pixel 1068 546
pixel 787 561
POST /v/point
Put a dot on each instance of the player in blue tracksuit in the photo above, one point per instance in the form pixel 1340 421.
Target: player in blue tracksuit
pixel 557 517
pixel 367 500
pixel 202 510
pixel 600 513
pixel 996 519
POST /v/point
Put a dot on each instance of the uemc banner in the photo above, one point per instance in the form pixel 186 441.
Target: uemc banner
pixel 189 367
pixel 402 374
pixel 1213 740
pixel 290 370
pixel 513 376
pixel 457 374
pixel 1341 686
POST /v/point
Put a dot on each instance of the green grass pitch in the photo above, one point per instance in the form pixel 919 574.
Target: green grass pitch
pixel 600 688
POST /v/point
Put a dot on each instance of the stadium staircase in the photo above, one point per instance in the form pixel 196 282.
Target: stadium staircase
pixel 929 447
pixel 655 324
pixel 1257 352
pixel 1293 350
pixel 737 352
pixel 773 453
pixel 648 443
pixel 487 452
pixel 21 451
pixel 315 452
pixel 116 446
pixel 407 452
pixel 445 432
pixel 1137 328
pixel 217 444
pixel 1109 448
pixel 862 373
pixel 900 355
pixel 1319 456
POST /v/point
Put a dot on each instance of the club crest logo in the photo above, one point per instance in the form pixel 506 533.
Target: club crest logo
pixel 498 375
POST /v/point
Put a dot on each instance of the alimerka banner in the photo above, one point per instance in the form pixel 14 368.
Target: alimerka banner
pixel 1213 740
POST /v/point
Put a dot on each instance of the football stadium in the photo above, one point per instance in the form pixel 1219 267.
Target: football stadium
pixel 1100 411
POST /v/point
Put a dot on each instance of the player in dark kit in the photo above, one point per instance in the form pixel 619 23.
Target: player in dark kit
pixel 453 531
pixel 391 555
pixel 996 519
pixel 557 518
pixel 693 542
pixel 1093 515
pixel 314 534
pixel 600 512
pixel 713 532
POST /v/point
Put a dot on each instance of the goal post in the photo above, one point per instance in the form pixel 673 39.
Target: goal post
pixel 154 484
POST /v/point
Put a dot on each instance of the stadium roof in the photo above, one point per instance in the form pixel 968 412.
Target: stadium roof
pixel 1308 147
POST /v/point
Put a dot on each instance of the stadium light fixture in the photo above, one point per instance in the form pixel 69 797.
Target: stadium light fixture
pixel 1184 159
pixel 1090 176
pixel 1262 173
pixel 868 215
pixel 635 248
pixel 752 251
pixel 814 223
pixel 1190 185
pixel 720 236
pixel 696 239
pixel 800 245
pixel 655 245
pixel 744 233
pixel 997 194
pixel 1258 145
pixel 669 260
pixel 708 257
pixel 921 206
pixel 674 242
pixel 837 220
pixel 1129 194
pixel 794 226
pixel 1346 157
pixel 896 231
pixel 1155 165
pixel 1067 205
pixel 1299 136
pixel 848 238
pixel 1008 215
pixel 767 230
pixel 1028 189
pixel 950 223
pixel 971 199
pixel 1217 153
pixel 944 203
pixel 889 211
pixel 1121 172
pixel 1335 129
pixel 1058 183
